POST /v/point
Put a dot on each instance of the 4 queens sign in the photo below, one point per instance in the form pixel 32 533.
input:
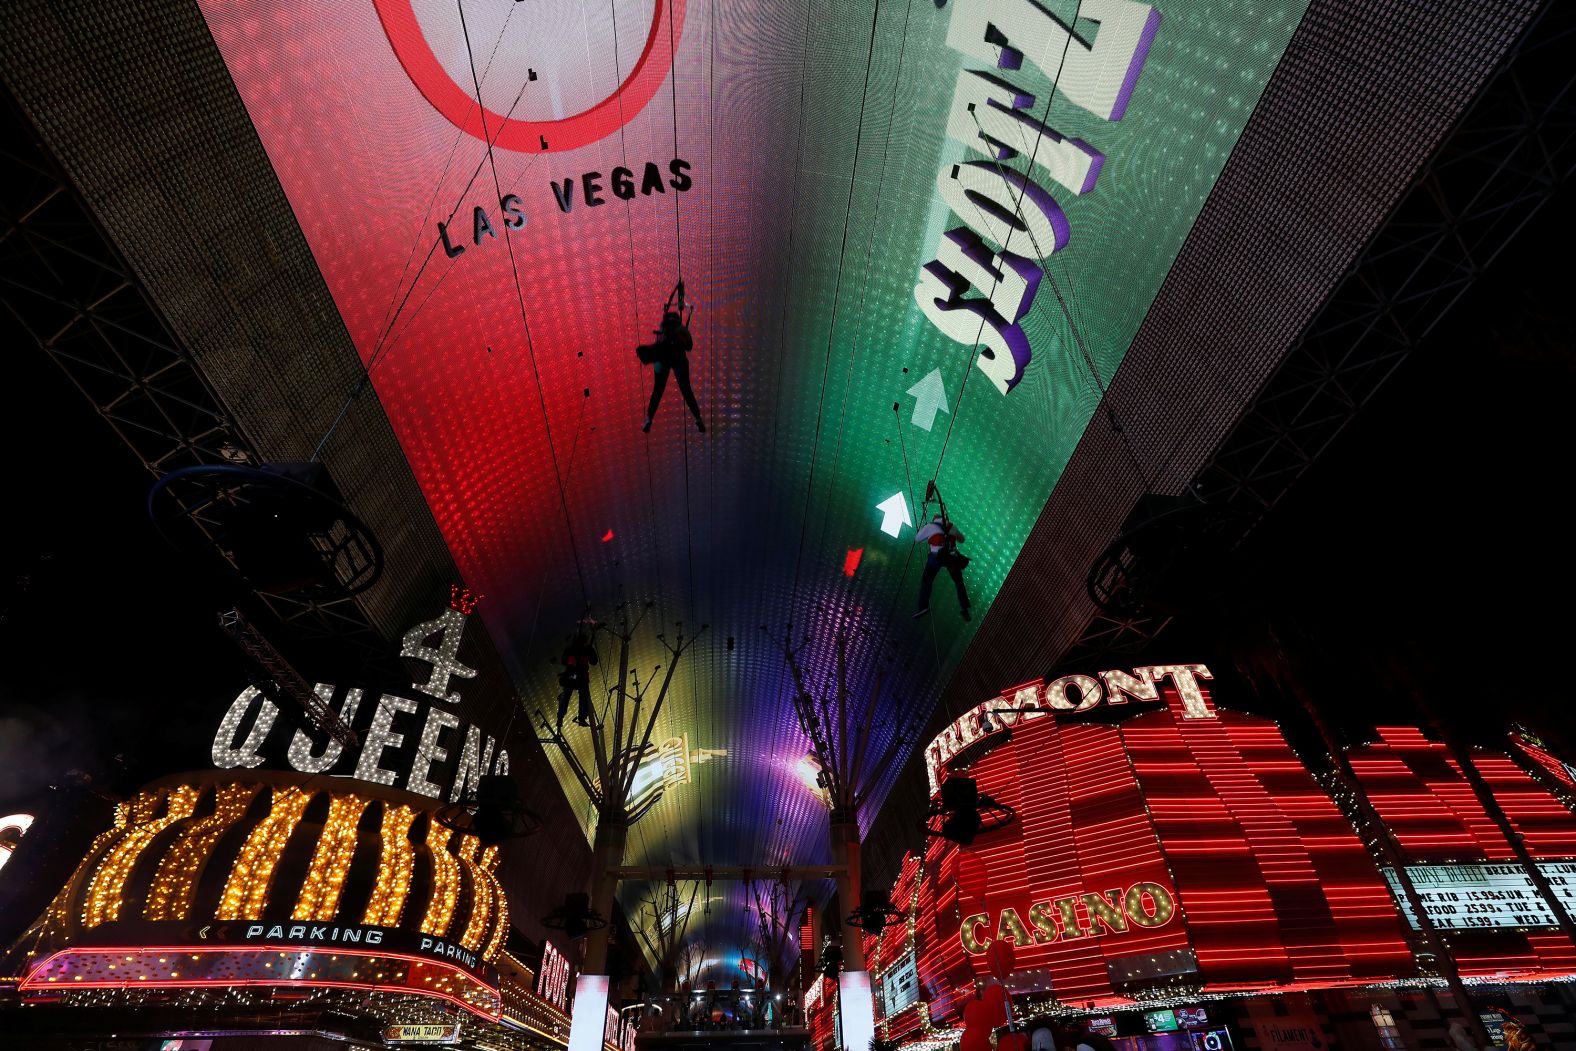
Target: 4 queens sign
pixel 443 757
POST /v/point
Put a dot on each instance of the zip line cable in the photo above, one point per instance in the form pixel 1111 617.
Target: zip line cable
pixel 541 580
pixel 870 246
pixel 382 343
pixel 623 152
pixel 831 328
pixel 437 187
pixel 773 531
pixel 673 82
pixel 634 299
pixel 881 640
pixel 769 536
pixel 678 244
pixel 525 322
pixel 1078 339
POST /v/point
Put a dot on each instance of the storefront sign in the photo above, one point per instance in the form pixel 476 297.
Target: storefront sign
pixel 1143 906
pixel 420 746
pixel 1460 897
pixel 421 1033
pixel 1070 693
pixel 552 978
pixel 343 938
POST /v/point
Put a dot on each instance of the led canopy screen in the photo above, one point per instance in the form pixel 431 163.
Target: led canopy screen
pixel 918 241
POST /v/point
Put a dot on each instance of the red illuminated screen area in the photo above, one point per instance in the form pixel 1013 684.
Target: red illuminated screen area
pixel 1422 794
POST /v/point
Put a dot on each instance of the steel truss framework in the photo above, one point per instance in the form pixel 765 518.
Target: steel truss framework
pixel 71 290
pixel 1507 156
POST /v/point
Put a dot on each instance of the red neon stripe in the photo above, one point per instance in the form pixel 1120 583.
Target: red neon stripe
pixel 29 982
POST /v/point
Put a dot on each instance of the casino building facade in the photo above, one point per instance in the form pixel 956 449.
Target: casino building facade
pixel 1175 877
pixel 341 911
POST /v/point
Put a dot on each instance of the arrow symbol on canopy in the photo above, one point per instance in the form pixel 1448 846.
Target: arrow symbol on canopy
pixel 930 397
pixel 894 514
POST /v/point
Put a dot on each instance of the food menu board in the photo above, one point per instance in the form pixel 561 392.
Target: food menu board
pixel 1460 897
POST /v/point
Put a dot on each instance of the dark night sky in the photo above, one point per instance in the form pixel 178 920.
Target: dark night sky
pixel 1437 526
pixel 110 646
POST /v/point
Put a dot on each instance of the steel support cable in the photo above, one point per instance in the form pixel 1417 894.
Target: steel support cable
pixel 1078 339
pixel 714 362
pixel 881 640
pixel 831 328
pixel 656 534
pixel 541 580
pixel 870 247
pixel 525 322
pixel 1050 97
pixel 773 532
pixel 634 299
pixel 437 186
pixel 678 244
pixel 623 152
pixel 384 343
pixel 673 83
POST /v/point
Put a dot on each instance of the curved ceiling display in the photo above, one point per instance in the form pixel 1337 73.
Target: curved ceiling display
pixel 918 240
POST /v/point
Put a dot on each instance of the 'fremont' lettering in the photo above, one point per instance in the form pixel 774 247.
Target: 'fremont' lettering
pixel 1070 693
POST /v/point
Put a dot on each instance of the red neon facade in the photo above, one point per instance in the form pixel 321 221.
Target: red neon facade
pixel 1540 757
pixel 1276 887
pixel 1422 795
pixel 1174 849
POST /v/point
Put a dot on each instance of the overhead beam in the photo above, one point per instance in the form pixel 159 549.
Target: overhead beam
pixel 719 873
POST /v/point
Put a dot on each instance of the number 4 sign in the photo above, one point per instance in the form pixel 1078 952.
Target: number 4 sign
pixel 444 658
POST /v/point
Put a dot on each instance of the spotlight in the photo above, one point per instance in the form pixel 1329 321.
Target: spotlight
pixel 875 913
pixel 831 958
pixel 493 813
pixel 575 917
pixel 961 812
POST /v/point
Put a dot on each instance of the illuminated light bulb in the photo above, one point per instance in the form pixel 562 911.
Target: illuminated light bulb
pixel 445 882
pixel 104 897
pixel 481 892
pixel 246 891
pixel 330 864
pixel 174 884
pixel 395 865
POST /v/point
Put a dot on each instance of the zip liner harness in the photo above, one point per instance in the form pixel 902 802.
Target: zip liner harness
pixel 673 335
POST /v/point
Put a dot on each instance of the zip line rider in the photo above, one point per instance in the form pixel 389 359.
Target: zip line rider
pixel 669 354
pixel 579 654
pixel 944 538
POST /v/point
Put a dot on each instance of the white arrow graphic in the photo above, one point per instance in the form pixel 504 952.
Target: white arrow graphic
pixel 930 397
pixel 894 514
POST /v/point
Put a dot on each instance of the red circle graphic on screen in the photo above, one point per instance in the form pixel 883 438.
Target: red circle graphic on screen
pixel 527 136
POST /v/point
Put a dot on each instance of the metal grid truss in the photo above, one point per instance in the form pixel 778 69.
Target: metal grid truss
pixel 1512 151
pixel 69 288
